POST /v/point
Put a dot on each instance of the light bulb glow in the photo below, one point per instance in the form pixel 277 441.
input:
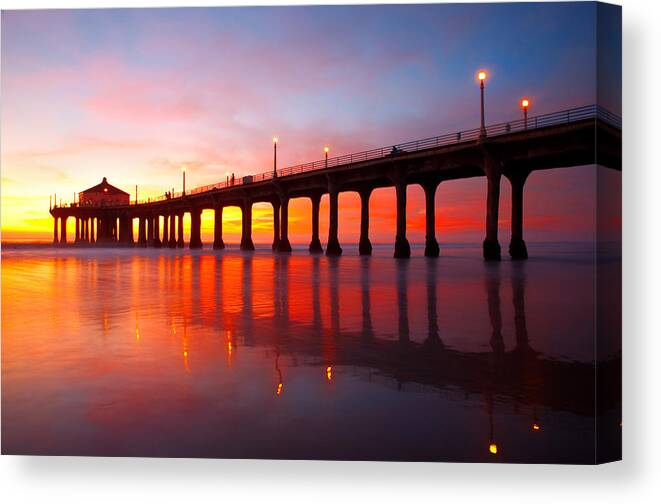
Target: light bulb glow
pixel 525 103
pixel 482 75
pixel 493 448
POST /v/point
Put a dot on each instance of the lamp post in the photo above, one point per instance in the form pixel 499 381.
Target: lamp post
pixel 525 103
pixel 275 156
pixel 183 174
pixel 326 149
pixel 482 76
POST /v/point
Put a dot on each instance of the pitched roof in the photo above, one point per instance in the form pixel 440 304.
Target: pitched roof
pixel 106 188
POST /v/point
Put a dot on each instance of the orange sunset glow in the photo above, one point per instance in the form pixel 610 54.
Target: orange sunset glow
pixel 106 113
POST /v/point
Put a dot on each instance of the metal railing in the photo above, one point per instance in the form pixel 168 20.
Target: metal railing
pixel 569 116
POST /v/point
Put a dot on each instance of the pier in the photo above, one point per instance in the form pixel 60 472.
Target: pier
pixel 512 150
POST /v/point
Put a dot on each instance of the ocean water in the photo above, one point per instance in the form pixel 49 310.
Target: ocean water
pixel 178 353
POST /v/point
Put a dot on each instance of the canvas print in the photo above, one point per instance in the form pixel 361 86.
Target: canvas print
pixel 366 232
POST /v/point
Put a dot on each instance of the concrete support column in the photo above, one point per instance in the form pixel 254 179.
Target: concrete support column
pixel 86 230
pixel 246 226
pixel 276 225
pixel 129 231
pixel 431 245
pixel 166 230
pixel 283 244
pixel 491 247
pixel 365 246
pixel 195 231
pixel 157 231
pixel 315 243
pixel 93 230
pixel 150 231
pixel 114 229
pixel 218 243
pixel 123 231
pixel 333 246
pixel 142 232
pixel 63 230
pixel 56 240
pixel 518 249
pixel 402 247
pixel 77 239
pixel 103 231
pixel 173 240
pixel 180 230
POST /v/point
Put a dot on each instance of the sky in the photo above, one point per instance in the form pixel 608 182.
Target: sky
pixel 134 94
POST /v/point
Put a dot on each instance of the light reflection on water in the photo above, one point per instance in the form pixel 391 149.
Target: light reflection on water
pixel 172 353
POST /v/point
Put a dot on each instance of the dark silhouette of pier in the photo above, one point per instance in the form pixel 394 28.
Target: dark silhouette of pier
pixel 569 138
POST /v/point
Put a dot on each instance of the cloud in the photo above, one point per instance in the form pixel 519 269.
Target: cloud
pixel 77 145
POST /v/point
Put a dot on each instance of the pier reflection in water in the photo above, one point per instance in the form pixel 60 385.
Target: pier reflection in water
pixel 167 353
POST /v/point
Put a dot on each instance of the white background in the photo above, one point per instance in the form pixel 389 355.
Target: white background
pixel 636 479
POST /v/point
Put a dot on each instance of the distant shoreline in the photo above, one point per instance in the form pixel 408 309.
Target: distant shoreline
pixel 40 245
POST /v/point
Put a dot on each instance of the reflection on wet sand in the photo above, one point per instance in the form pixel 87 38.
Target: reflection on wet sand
pixel 520 373
pixel 375 322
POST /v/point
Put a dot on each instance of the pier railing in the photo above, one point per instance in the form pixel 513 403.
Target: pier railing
pixel 569 116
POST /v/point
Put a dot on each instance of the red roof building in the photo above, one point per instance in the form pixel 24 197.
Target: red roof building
pixel 103 194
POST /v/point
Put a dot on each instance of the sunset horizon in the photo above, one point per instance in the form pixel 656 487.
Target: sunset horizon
pixel 108 113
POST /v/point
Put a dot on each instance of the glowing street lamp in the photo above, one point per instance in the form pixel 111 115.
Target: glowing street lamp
pixel 493 448
pixel 525 103
pixel 482 76
pixel 326 149
pixel 183 174
pixel 275 156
